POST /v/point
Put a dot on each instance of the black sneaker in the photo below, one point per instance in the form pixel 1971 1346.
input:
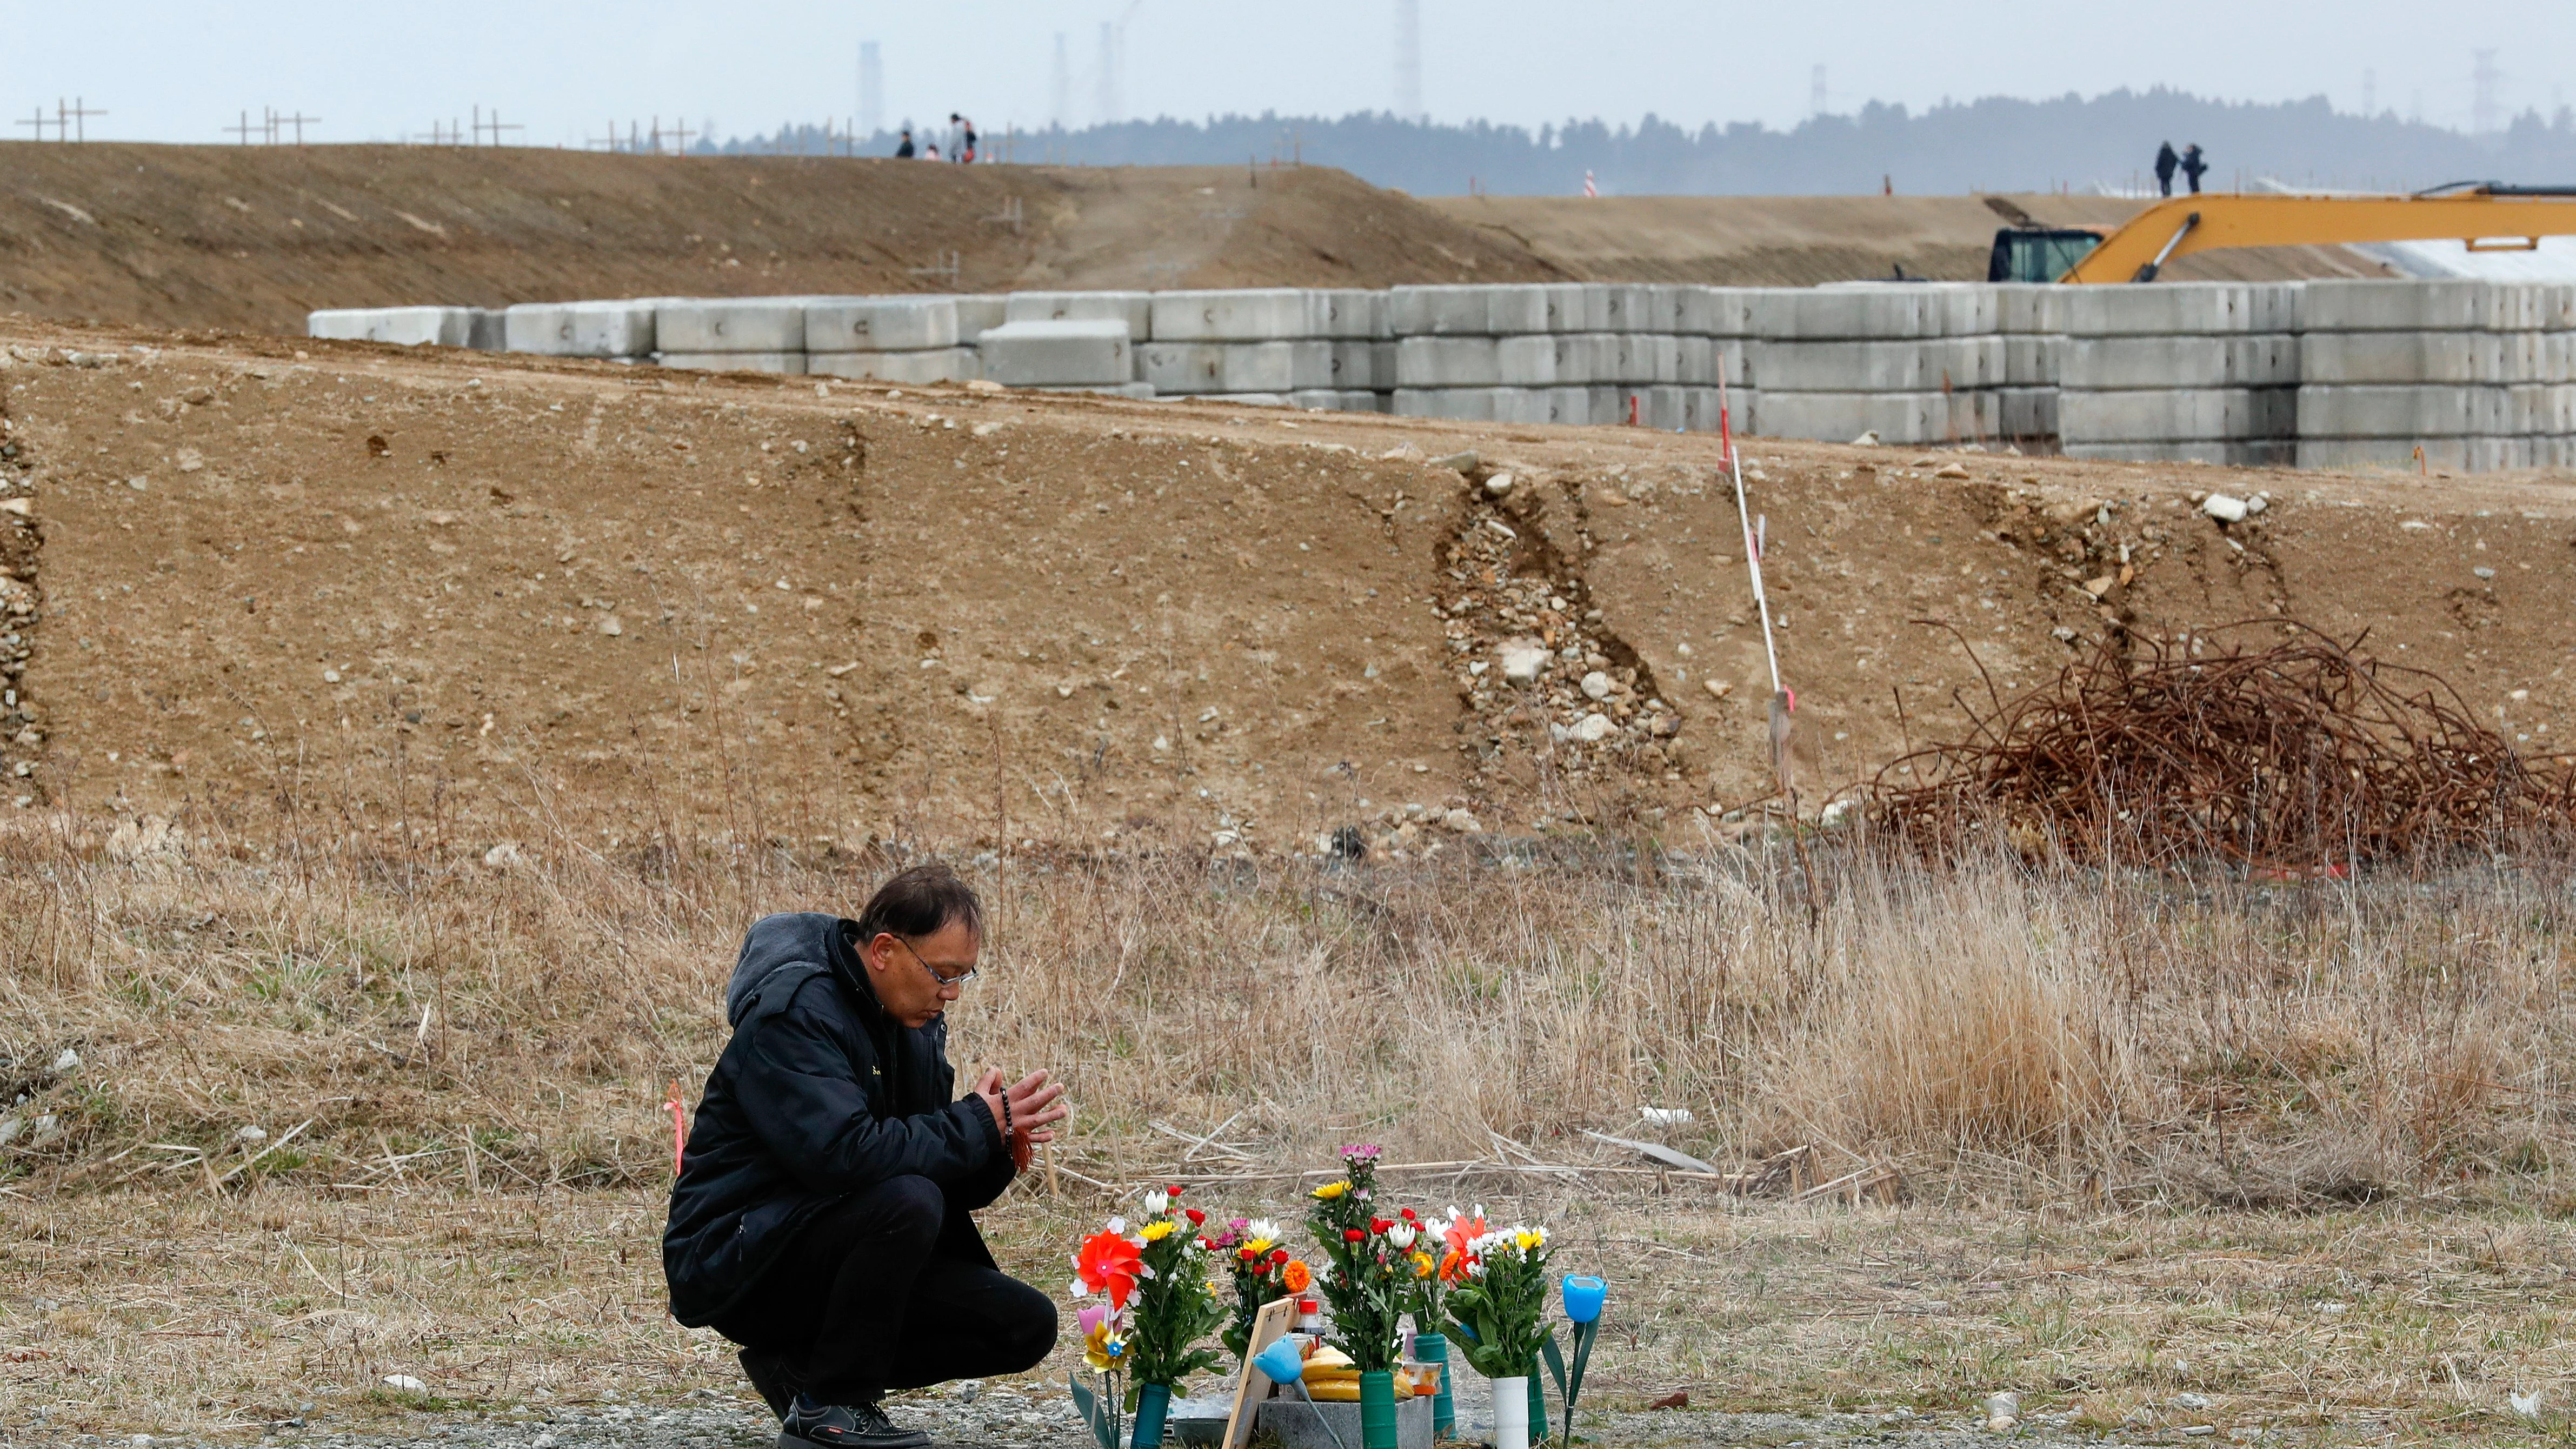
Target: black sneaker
pixel 770 1375
pixel 844 1426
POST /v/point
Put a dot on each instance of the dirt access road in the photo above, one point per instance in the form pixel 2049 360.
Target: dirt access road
pixel 435 587
pixel 252 238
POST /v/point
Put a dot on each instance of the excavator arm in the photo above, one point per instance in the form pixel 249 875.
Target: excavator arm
pixel 2486 216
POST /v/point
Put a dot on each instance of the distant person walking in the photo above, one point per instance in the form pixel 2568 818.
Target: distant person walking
pixel 2193 166
pixel 2166 161
pixel 961 139
pixel 904 152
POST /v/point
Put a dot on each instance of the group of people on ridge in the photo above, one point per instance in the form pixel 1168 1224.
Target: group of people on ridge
pixel 961 142
pixel 2189 163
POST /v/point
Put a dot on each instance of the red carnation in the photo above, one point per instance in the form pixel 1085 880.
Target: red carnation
pixel 1379 1225
pixel 1279 1255
pixel 1174 1190
pixel 1352 1235
pixel 1245 1252
pixel 1408 1215
pixel 1194 1215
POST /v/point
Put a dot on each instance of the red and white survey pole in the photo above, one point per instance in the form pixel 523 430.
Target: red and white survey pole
pixel 1784 701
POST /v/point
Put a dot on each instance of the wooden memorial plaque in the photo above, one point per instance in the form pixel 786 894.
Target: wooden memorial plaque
pixel 1251 1385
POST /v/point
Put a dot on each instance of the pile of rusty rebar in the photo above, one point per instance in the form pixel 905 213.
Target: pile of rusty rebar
pixel 2304 755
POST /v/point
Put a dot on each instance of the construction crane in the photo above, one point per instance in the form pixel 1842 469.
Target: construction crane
pixel 2487 215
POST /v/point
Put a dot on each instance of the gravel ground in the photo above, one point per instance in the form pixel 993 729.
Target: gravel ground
pixel 1011 1416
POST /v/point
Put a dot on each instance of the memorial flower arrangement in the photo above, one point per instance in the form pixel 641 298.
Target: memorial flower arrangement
pixel 1264 1272
pixel 1497 1307
pixel 1366 1272
pixel 1162 1302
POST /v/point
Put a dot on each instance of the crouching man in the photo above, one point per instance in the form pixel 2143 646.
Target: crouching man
pixel 820 1219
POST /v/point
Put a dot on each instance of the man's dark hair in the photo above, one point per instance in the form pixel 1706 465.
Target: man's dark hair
pixel 919 902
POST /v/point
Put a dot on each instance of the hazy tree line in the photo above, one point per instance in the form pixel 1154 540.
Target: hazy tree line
pixel 1996 144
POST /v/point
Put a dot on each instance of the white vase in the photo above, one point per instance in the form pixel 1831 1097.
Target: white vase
pixel 1511 1413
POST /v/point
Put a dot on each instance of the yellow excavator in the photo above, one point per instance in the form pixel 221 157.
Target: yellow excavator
pixel 2487 215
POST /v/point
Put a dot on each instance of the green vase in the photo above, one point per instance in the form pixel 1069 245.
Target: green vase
pixel 1434 1348
pixel 1153 1406
pixel 1538 1407
pixel 1377 1410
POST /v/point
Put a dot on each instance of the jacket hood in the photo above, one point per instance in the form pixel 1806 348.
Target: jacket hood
pixel 790 939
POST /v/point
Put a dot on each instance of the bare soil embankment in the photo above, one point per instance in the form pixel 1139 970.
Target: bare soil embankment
pixel 457 587
pixel 252 238
pixel 1800 241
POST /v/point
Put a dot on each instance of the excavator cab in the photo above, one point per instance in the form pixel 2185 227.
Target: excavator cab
pixel 2038 253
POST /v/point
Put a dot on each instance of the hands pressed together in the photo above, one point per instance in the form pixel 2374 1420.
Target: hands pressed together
pixel 1031 1105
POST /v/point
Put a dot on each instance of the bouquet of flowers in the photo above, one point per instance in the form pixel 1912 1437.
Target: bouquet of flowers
pixel 1367 1271
pixel 1497 1304
pixel 1161 1303
pixel 1427 1290
pixel 1264 1272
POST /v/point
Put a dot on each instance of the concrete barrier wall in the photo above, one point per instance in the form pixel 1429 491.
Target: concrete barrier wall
pixel 2477 375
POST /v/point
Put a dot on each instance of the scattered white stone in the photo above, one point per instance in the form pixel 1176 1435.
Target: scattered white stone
pixel 2224 507
pixel 2527 1405
pixel 2003 1410
pixel 1498 486
pixel 2258 502
pixel 1834 814
pixel 190 460
pixel 2192 1402
pixel 406 1383
pixel 1596 685
pixel 1666 1116
pixel 330 676
pixel 1866 440
pixel 1162 742
pixel 1718 687
pixel 1462 822
pixel 1594 728
pixel 68 1060
pixel 504 856
pixel 251 1134
pixel 2482 571
pixel 611 626
pixel 1521 662
pixel 1223 838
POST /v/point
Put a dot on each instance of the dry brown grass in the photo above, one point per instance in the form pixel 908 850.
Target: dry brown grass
pixel 2058 1063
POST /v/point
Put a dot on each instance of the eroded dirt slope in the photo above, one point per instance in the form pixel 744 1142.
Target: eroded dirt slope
pixel 444 593
pixel 254 237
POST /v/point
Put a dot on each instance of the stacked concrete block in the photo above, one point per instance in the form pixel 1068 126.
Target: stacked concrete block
pixel 1912 363
pixel 621 329
pixel 732 334
pixel 2466 375
pixel 1563 352
pixel 1135 309
pixel 1282 346
pixel 2181 372
pixel 888 339
pixel 1091 354
pixel 404 326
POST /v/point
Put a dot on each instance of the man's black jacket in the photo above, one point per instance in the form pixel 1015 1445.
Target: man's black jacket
pixel 819 1094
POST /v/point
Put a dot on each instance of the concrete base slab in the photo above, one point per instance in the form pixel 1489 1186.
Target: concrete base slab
pixel 938 364
pixel 2030 307
pixel 2262 359
pixel 1210 367
pixel 2436 357
pixel 1341 399
pixel 1140 390
pixel 1448 362
pixel 2026 412
pixel 488 329
pixel 787 362
pixel 581 329
pixel 1269 314
pixel 746 324
pixel 881 324
pixel 2360 305
pixel 1136 309
pixel 1294 1425
pixel 2159 415
pixel 1094 353
pixel 405 326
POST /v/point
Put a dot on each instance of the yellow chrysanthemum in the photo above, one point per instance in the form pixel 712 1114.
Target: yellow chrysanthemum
pixel 1156 1231
pixel 1422 1265
pixel 1332 1190
pixel 1259 1246
pixel 1529 1239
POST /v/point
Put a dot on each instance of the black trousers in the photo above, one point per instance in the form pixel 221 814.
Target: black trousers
pixel 860 1304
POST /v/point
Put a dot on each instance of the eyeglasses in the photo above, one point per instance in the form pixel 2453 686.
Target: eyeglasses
pixel 960 979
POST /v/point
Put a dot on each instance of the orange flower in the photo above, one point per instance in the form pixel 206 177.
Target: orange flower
pixel 1453 1266
pixel 1296 1277
pixel 1108 1262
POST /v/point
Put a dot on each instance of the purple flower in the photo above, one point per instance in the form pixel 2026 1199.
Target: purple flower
pixel 1361 1152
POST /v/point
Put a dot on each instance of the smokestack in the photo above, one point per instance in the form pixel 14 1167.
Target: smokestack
pixel 1408 60
pixel 871 88
pixel 1109 48
pixel 1063 97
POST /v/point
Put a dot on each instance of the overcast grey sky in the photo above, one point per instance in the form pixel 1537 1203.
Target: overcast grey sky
pixel 167 71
